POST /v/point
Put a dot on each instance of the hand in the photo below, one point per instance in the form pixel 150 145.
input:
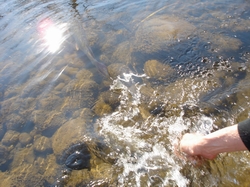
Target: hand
pixel 194 145
pixel 224 140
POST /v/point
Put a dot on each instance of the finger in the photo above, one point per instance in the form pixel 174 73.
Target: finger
pixel 177 151
pixel 195 160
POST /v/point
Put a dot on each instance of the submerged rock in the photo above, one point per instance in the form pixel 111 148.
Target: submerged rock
pixel 74 136
pixel 42 145
pixel 101 108
pixel 69 133
pixel 47 122
pixel 76 149
pixel 70 71
pixel 122 54
pixel 158 33
pixel 84 74
pixel 156 70
pixel 50 103
pixel 4 154
pixel 14 122
pixel 25 138
pixel 10 138
pixel 220 42
pixel 77 157
pixel 117 69
pixel 81 94
pixel 106 103
pixel 110 98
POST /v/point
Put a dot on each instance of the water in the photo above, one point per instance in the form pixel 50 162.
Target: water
pixel 173 67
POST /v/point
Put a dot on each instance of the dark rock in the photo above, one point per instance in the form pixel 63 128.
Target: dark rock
pixel 77 157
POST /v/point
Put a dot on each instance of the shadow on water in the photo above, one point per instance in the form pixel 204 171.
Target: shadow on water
pixel 173 67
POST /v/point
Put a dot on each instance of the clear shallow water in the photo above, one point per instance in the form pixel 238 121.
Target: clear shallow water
pixel 186 69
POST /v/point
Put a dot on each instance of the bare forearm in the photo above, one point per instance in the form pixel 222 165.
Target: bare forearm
pixel 223 140
pixel 209 146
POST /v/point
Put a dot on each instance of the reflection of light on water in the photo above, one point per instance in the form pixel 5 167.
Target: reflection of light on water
pixel 53 38
pixel 51 34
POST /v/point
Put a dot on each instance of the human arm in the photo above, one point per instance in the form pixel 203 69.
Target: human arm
pixel 229 139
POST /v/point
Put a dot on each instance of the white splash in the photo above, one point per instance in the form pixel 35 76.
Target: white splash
pixel 145 148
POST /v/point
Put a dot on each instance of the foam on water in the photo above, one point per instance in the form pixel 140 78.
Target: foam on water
pixel 145 149
pixel 145 159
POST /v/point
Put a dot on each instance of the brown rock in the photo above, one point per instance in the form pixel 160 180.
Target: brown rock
pixel 42 145
pixel 81 94
pixel 25 139
pixel 10 138
pixel 59 87
pixel 158 33
pixel 87 114
pixel 221 41
pixel 84 74
pixel 122 53
pixel 102 108
pixel 155 69
pixel 69 133
pixel 111 98
pixel 4 154
pixel 117 69
pixel 70 71
pixel 47 122
pixel 50 103
pixel 73 60
pixel 14 122
pixel 38 117
pixel 24 155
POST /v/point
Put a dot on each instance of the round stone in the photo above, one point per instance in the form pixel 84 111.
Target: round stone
pixel 25 139
pixel 42 144
pixel 10 138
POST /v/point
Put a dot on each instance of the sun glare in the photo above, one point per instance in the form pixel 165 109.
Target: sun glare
pixel 51 35
pixel 53 38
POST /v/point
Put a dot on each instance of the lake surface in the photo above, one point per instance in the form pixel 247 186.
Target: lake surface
pixel 126 78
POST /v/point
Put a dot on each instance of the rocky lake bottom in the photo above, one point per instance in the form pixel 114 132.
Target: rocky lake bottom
pixel 169 73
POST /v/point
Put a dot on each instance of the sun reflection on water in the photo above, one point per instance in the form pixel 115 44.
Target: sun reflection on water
pixel 51 34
